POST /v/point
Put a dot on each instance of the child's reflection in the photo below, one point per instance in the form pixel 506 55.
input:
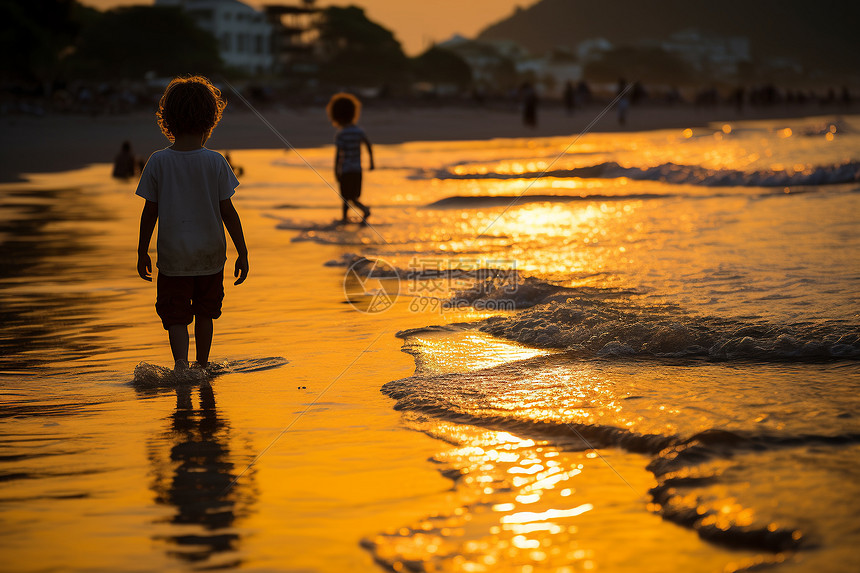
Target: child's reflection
pixel 195 477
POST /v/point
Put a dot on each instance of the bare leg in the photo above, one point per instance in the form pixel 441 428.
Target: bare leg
pixel 345 208
pixel 178 334
pixel 203 330
pixel 364 210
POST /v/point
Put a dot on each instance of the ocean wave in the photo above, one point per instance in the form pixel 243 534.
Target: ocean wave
pixel 465 202
pixel 485 397
pixel 688 472
pixel 848 172
pixel 701 477
pixel 609 323
pixel 447 401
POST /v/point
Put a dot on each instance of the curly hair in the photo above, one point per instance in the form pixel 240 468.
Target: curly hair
pixel 190 105
pixel 343 109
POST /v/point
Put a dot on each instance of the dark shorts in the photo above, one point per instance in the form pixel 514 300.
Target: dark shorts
pixel 180 299
pixel 350 185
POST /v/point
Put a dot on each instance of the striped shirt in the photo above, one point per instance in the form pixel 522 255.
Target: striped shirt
pixel 348 142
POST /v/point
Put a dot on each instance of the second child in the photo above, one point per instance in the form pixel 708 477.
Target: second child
pixel 343 111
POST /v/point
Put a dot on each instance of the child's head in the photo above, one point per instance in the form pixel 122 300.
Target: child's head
pixel 190 106
pixel 343 109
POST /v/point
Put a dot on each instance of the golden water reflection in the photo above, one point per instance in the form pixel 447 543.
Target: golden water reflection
pixel 533 495
pixel 521 501
pixel 530 506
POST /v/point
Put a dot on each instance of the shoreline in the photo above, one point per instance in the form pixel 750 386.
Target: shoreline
pixel 61 143
pixel 341 464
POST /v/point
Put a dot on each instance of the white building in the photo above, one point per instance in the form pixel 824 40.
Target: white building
pixel 244 34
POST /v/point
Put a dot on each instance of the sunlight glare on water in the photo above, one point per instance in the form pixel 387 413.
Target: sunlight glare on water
pixel 673 387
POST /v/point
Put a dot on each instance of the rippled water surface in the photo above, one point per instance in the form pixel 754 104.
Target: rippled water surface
pixel 632 352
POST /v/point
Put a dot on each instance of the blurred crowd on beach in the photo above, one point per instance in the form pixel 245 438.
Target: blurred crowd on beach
pixel 107 99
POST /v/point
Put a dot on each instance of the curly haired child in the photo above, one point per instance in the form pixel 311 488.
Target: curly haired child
pixel 187 188
pixel 343 110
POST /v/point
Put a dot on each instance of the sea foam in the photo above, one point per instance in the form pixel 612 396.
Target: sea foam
pixel 848 172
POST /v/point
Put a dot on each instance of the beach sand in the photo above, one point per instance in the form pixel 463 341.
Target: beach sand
pixel 57 143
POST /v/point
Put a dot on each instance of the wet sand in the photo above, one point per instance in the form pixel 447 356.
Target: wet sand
pixel 57 143
pixel 337 464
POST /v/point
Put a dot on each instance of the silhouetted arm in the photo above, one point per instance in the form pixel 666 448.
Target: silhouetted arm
pixel 147 225
pixel 369 151
pixel 234 227
pixel 337 162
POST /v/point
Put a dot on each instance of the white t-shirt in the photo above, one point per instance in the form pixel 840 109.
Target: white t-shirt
pixel 188 187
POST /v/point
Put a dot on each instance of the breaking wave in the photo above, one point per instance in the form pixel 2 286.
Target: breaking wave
pixel 610 323
pixel 678 174
pixel 693 468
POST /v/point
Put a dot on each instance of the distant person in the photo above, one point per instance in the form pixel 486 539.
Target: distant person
pixel 343 111
pixel 569 97
pixel 638 93
pixel 583 93
pixel 125 163
pixel 673 96
pixel 238 170
pixel 479 96
pixel 623 102
pixel 530 103
pixel 187 188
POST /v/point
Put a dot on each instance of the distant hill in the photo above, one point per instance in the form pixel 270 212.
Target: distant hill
pixel 820 35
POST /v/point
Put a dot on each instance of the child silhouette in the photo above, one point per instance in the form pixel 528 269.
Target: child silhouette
pixel 187 188
pixel 343 111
